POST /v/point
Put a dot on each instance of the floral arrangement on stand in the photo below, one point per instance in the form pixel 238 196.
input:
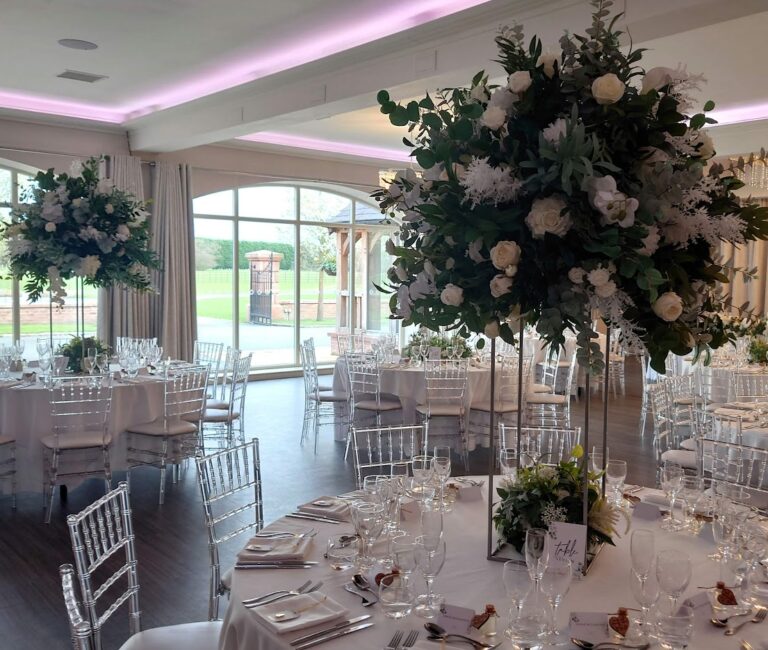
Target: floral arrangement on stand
pixel 75 349
pixel 78 225
pixel 543 494
pixel 582 186
pixel 445 344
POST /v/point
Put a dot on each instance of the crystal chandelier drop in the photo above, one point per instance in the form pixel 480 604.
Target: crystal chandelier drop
pixel 752 170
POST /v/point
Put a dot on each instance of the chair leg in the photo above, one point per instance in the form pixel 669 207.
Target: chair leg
pixel 107 471
pixel 213 601
pixel 162 470
pixel 52 475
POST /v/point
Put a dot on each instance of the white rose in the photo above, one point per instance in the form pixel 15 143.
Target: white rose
pixel 473 251
pixel 668 306
pixel 656 79
pixel 555 131
pixel 503 98
pixel 76 203
pixel 576 275
pixel 478 93
pixel 546 216
pixel 614 206
pixel 548 60
pixel 50 227
pixel 599 276
pixel 494 118
pixel 511 271
pixel 519 81
pixel 608 89
pixel 650 241
pixel 401 273
pixel 504 254
pixel 123 233
pixel 452 295
pixel 606 290
pixel 450 263
pixel 706 147
pixel 109 208
pixel 429 269
pixel 491 329
pixel 500 285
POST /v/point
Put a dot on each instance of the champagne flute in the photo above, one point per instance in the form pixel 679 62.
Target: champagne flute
pixel 673 573
pixel 671 482
pixel 431 528
pixel 430 562
pixel 555 583
pixel 441 465
pixel 508 463
pixel 536 555
pixel 90 359
pixel 645 590
pixel 642 550
pixel 597 460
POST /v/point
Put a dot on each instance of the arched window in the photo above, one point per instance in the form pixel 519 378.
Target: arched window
pixel 277 264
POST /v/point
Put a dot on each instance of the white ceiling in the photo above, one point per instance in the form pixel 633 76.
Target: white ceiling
pixel 213 62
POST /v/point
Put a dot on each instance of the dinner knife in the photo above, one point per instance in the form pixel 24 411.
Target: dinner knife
pixel 301 515
pixel 240 567
pixel 328 630
pixel 281 562
pixel 334 635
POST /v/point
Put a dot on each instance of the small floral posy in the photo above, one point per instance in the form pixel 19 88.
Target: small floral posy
pixel 584 184
pixel 78 225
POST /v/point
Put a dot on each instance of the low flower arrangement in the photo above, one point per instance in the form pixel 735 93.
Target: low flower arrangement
pixel 76 348
pixel 758 350
pixel 543 494
pixel 78 225
pixel 436 341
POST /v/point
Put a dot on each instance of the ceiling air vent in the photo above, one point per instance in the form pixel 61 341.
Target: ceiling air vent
pixel 87 77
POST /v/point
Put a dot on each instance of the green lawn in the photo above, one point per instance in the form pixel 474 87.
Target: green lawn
pixel 219 282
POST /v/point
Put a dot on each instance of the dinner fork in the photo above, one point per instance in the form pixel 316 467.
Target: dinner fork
pixel 287 595
pixel 411 638
pixel 394 642
pixel 298 591
pixel 759 617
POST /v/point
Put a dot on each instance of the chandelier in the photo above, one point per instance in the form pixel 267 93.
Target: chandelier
pixel 752 170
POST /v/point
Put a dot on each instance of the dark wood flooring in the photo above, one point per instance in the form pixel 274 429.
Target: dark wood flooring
pixel 171 542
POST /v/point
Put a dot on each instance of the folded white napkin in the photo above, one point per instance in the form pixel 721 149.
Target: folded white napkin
pixel 263 549
pixel 746 406
pixel 657 497
pixel 337 508
pixel 736 413
pixel 317 608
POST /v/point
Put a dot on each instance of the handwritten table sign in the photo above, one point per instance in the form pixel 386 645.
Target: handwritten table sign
pixel 568 542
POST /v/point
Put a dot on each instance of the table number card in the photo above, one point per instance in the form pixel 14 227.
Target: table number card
pixel 568 542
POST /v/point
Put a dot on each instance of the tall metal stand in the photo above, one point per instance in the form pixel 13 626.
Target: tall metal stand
pixel 491 450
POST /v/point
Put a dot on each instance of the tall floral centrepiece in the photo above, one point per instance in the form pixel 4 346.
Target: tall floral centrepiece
pixel 582 185
pixel 78 225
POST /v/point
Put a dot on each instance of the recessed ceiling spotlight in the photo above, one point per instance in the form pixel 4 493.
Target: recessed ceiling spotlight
pixel 77 44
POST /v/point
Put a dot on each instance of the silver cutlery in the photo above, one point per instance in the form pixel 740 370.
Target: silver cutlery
pixel 394 642
pixel 608 645
pixel 365 602
pixel 293 592
pixel 274 599
pixel 328 630
pixel 263 565
pixel 468 481
pixel 333 635
pixel 759 617
pixel 301 515
pixel 413 635
pixel 438 633
pixel 745 645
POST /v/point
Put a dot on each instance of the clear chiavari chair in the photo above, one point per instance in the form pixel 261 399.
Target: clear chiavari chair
pixel 446 389
pixel 380 448
pixel 552 409
pixel 8 465
pixel 320 406
pixel 101 535
pixel 751 388
pixel 221 422
pixel 226 480
pixel 545 445
pixel 207 353
pixel 171 438
pixel 220 397
pixel 649 377
pixel 80 416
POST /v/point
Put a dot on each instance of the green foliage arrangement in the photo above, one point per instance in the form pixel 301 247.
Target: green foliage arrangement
pixel 758 350
pixel 436 341
pixel 76 349
pixel 78 226
pixel 582 186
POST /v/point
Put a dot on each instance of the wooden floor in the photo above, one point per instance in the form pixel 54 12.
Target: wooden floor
pixel 171 543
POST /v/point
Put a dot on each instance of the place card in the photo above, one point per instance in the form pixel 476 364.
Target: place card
pixel 588 626
pixel 410 510
pixel 568 542
pixel 646 511
pixel 467 491
pixel 455 620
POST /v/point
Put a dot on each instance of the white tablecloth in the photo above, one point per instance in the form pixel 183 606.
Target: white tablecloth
pixel 469 580
pixel 25 413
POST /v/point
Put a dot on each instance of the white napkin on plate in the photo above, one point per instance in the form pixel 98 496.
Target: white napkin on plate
pixel 339 509
pixel 292 548
pixel 323 610
pixel 650 495
pixel 736 413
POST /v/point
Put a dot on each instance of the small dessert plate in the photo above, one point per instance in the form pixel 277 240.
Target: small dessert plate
pixel 322 503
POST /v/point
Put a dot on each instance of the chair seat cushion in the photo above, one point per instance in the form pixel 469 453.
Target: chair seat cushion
pixel 331 396
pixel 682 457
pixel 189 636
pixel 539 388
pixel 158 428
pixel 216 404
pixel 218 415
pixel 441 409
pixel 4 440
pixel 545 398
pixel 507 406
pixel 78 440
pixel 688 444
pixel 373 405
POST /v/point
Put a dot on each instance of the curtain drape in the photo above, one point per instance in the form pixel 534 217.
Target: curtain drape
pixel 173 313
pixel 752 255
pixel 123 312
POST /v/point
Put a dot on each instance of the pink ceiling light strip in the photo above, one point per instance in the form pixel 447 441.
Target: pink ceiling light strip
pixel 739 114
pixel 313 144
pixel 396 16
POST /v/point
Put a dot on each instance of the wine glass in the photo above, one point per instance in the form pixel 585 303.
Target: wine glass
pixel 673 573
pixel 723 531
pixel 422 474
pixel 45 360
pixel 674 630
pixel 642 550
pixel 441 466
pixel 372 491
pixel 368 520
pixel 517 584
pixel 508 463
pixel 555 583
pixel 597 460
pixel 90 359
pixel 43 346
pixel 671 482
pixel 102 362
pixel 615 474
pixel 430 562
pixel 431 528
pixel 645 591
pixel 536 554
pixel 691 491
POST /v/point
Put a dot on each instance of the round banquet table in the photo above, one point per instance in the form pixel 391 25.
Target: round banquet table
pixel 468 579
pixel 25 413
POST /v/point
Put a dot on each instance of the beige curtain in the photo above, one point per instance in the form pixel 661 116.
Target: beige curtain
pixel 752 255
pixel 173 314
pixel 123 312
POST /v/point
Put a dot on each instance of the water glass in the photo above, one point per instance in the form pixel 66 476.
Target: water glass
pixel 615 474
pixel 673 573
pixel 508 463
pixel 403 553
pixel 368 520
pixel 421 466
pixel 674 631
pixel 691 491
pixel 536 554
pixel 342 551
pixel 517 584
pixel 396 596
